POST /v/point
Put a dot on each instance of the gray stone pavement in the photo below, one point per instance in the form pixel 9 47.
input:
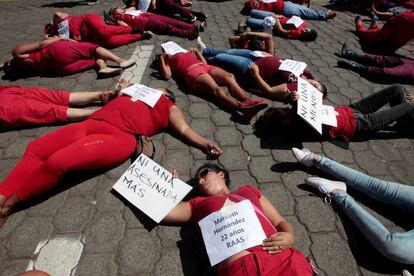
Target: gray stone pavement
pixel 92 232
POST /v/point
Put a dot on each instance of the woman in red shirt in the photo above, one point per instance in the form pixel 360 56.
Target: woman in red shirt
pixel 106 139
pixel 60 57
pixel 274 257
pixel 357 120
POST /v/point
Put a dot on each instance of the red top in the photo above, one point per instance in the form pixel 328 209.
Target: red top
pixel 293 32
pixel 136 117
pixel 204 206
pixel 270 73
pixel 180 62
pixel 75 26
pixel 398 30
pixel 276 7
pixel 139 21
pixel 346 124
pixel 40 60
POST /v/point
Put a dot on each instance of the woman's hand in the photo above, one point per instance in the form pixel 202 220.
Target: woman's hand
pixel 194 51
pixel 278 242
pixel 213 151
pixel 174 173
pixel 254 69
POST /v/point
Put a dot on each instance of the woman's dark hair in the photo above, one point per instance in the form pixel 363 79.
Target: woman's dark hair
pixel 324 90
pixel 255 44
pixel 308 36
pixel 170 95
pixel 216 168
pixel 272 120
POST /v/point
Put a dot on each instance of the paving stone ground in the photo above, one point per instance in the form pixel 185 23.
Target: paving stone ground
pixel 113 239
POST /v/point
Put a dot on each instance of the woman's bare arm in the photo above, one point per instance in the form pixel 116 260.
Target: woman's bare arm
pixel 165 69
pixel 279 92
pixel 22 51
pixel 180 127
pixel 179 214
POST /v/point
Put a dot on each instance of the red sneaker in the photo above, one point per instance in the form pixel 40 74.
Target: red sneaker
pixel 253 105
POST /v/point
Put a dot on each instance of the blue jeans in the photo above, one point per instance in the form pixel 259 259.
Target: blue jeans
pixel 235 61
pixel 255 21
pixel 395 246
pixel 290 9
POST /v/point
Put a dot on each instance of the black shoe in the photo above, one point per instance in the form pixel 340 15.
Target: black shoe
pixel 191 18
pixel 202 16
pixel 345 64
pixel 345 52
pixel 353 66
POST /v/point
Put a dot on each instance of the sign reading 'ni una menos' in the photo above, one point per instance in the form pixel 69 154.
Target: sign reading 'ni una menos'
pixel 151 188
pixel 310 104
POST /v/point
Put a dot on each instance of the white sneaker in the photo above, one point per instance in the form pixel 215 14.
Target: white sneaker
pixel 304 156
pixel 200 44
pixel 325 186
pixel 406 273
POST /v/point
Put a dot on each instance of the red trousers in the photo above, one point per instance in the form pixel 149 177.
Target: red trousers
pixel 94 29
pixel 68 58
pixel 289 262
pixel 163 25
pixel 393 68
pixel 25 106
pixel 87 145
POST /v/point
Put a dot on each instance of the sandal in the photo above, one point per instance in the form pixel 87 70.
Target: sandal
pixel 145 146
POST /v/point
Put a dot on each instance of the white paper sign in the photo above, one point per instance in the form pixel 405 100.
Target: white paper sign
pixel 310 104
pixel 143 93
pixel 293 66
pixel 259 54
pixel 143 5
pixel 329 116
pixel 295 20
pixel 151 188
pixel 63 29
pixel 232 229
pixel 172 48
pixel 134 12
pixel 269 1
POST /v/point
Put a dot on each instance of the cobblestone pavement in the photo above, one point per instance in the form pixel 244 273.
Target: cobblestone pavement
pixel 91 232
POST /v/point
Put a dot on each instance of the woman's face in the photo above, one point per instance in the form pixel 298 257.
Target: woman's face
pixel 316 84
pixel 211 182
pixel 119 11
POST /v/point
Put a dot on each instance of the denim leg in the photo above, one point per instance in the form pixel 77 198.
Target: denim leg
pixel 290 9
pixel 259 14
pixel 395 246
pixel 401 196
pixel 237 65
pixel 210 52
pixel 394 95
pixel 255 24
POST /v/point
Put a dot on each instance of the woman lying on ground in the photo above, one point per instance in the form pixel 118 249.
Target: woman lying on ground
pixel 260 69
pixel 153 23
pixel 26 106
pixel 255 41
pixel 104 140
pixel 274 257
pixel 280 26
pixel 288 9
pixel 168 8
pixel 55 56
pixel 394 34
pixel 92 28
pixel 192 69
pixel 358 120
pixel 398 247
pixel 384 10
pixel 389 68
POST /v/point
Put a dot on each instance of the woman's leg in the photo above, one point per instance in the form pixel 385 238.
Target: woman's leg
pixel 395 246
pixel 116 41
pixel 237 65
pixel 77 66
pixel 210 52
pixel 223 78
pixel 100 30
pixel 169 8
pixel 290 9
pixel 395 194
pixel 255 24
pixel 102 53
pixel 207 85
pixel 164 25
pixel 258 14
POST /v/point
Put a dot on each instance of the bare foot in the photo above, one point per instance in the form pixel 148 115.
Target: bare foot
pixel 6 208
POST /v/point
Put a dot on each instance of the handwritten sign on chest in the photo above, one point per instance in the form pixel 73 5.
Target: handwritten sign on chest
pixel 269 1
pixel 134 13
pixel 310 104
pixel 295 20
pixel 143 5
pixel 143 93
pixel 231 230
pixel 151 188
pixel 329 116
pixel 172 48
pixel 293 66
pixel 63 29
